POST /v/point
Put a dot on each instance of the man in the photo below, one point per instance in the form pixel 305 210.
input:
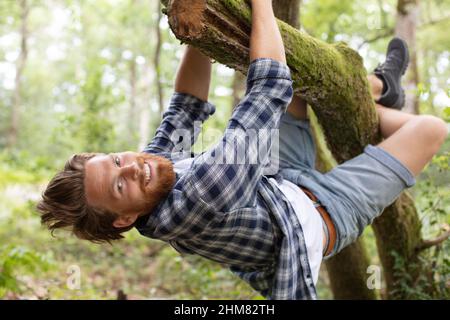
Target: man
pixel 269 229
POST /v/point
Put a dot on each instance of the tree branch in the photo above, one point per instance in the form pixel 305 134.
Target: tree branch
pixel 434 22
pixel 330 77
pixel 381 35
pixel 390 31
pixel 425 244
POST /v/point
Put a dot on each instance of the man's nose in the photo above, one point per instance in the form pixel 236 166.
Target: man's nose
pixel 130 171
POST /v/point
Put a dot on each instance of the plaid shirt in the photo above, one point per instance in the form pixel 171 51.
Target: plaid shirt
pixel 232 213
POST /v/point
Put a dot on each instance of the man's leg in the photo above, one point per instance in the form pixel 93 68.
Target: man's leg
pixel 412 139
pixel 357 191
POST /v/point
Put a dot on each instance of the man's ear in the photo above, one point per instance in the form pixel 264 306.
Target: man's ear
pixel 125 220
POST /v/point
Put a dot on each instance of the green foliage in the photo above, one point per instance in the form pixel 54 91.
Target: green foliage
pixel 193 277
pixel 433 202
pixel 433 269
pixel 21 167
pixel 447 114
pixel 95 130
pixel 17 260
pixel 325 19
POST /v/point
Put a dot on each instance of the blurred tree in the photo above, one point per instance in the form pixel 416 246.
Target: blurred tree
pixel 20 65
pixel 405 28
pixel 157 61
pixel 95 131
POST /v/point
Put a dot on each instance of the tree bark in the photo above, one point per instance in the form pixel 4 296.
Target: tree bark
pixel 398 234
pixel 330 77
pixel 288 11
pixel 347 271
pixel 406 27
pixel 17 98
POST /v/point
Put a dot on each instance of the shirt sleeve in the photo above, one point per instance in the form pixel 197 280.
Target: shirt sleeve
pixel 226 176
pixel 181 124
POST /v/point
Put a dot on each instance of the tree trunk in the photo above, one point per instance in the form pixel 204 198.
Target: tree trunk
pixel 347 270
pixel 406 26
pixel 330 77
pixel 132 100
pixel 288 11
pixel 156 62
pixel 398 234
pixel 17 98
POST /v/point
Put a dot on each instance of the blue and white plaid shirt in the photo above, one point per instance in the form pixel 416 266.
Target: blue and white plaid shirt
pixel 232 213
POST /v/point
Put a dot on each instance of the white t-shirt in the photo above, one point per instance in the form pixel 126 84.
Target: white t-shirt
pixel 309 218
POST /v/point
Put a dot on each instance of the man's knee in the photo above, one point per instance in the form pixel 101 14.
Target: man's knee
pixel 432 129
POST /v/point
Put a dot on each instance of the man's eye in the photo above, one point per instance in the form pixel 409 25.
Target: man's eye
pixel 119 186
pixel 117 161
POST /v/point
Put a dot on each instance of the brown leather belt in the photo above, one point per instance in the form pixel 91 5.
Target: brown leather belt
pixel 326 218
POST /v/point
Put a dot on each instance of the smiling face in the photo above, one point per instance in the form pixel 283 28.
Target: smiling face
pixel 127 183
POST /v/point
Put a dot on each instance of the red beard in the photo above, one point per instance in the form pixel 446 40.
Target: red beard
pixel 165 176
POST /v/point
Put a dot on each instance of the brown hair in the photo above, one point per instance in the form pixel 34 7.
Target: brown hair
pixel 64 205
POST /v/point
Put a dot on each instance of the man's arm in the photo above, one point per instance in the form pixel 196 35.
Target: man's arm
pixel 265 40
pixel 228 185
pixel 194 74
pixel 188 105
pixel 260 48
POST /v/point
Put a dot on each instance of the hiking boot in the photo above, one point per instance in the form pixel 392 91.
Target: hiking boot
pixel 390 73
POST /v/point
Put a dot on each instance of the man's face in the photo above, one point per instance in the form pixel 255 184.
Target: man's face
pixel 127 183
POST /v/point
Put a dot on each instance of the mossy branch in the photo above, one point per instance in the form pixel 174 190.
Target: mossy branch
pixel 330 77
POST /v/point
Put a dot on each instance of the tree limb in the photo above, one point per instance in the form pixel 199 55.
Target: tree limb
pixel 386 33
pixel 425 244
pixel 390 31
pixel 330 77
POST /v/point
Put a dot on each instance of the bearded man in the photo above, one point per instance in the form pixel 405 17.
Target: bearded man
pixel 273 229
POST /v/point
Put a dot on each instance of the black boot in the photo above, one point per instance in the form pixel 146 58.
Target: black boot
pixel 390 73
